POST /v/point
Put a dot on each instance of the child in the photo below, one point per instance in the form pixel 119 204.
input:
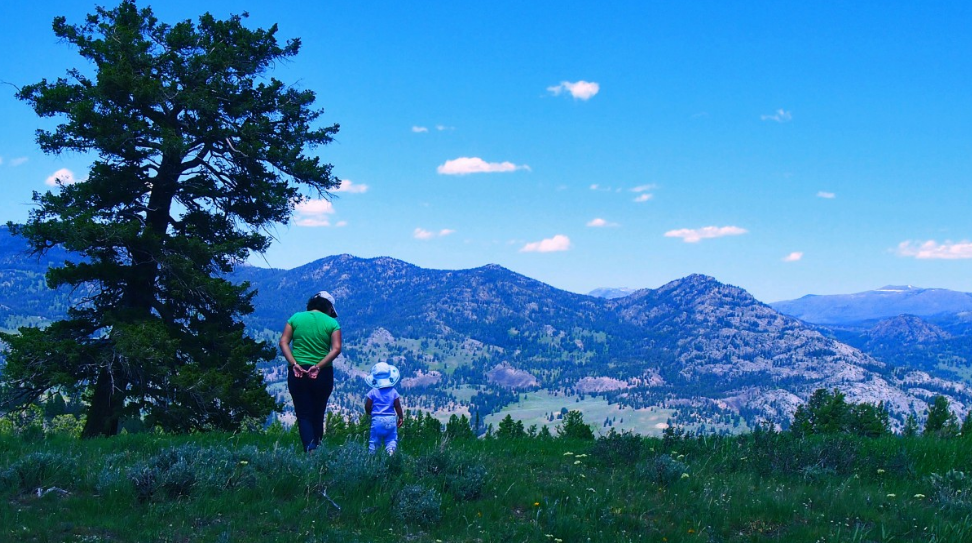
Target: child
pixel 384 407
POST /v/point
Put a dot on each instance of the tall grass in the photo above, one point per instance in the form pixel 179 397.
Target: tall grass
pixel 259 487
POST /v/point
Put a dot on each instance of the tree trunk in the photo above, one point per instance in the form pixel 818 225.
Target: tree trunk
pixel 107 403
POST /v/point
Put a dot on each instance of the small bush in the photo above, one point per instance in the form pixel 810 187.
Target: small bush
pixel 461 477
pixel 617 449
pixel 40 469
pixel 465 480
pixel 351 467
pixel 662 469
pixel 416 504
pixel 953 490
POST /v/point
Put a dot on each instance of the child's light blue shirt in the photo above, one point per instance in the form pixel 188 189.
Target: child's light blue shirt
pixel 383 401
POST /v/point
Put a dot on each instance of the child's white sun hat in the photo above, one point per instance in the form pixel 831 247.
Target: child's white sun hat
pixel 383 375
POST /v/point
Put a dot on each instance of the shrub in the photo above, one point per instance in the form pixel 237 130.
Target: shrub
pixel 617 449
pixel 40 469
pixel 952 490
pixel 662 469
pixel 416 504
pixel 465 479
pixel 351 467
pixel 461 477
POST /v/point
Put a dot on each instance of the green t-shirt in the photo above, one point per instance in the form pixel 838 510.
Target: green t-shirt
pixel 312 336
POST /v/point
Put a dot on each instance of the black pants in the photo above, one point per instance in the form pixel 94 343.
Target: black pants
pixel 310 402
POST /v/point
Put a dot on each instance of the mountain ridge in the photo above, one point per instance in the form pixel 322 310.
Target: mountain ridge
pixel 481 340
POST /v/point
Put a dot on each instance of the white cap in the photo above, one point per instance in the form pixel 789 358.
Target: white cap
pixel 327 296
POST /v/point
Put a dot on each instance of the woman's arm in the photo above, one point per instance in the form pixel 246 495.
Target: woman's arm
pixel 331 355
pixel 368 405
pixel 285 339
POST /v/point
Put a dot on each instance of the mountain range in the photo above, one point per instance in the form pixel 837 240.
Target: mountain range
pixel 488 341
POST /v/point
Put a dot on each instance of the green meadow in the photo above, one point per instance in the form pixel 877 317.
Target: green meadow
pixel 536 408
pixel 451 487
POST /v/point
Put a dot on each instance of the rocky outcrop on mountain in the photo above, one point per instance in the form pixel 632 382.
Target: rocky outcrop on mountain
pixel 736 348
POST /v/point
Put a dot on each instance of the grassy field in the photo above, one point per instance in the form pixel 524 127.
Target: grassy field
pixel 534 409
pixel 257 487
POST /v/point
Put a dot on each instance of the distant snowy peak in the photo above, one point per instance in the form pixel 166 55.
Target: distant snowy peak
pixel 609 293
pixel 898 288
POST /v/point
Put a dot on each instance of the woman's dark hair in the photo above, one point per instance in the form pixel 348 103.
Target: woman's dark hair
pixel 322 304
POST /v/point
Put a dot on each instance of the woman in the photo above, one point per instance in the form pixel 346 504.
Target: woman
pixel 310 342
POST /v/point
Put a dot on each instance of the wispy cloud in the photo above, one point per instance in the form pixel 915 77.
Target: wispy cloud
pixel 313 213
pixel 64 176
pixel 427 234
pixel 780 116
pixel 644 188
pixel 467 165
pixel 793 257
pixel 580 90
pixel 441 127
pixel 695 235
pixel 827 195
pixel 557 243
pixel 18 161
pixel 419 129
pixel 600 223
pixel 644 197
pixel 931 250
pixel 351 187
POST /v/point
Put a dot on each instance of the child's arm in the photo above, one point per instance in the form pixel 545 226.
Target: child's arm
pixel 399 412
pixel 368 405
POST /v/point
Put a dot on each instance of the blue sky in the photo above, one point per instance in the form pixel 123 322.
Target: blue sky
pixel 788 148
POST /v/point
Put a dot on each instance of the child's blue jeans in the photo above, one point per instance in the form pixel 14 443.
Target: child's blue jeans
pixel 384 428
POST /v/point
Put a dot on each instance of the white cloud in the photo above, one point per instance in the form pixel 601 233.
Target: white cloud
pixel 64 175
pixel 643 197
pixel 581 90
pixel 690 235
pixel 18 161
pixel 931 250
pixel 644 188
pixel 419 129
pixel 441 127
pixel 549 245
pixel 312 222
pixel 313 213
pixel 793 257
pixel 595 186
pixel 348 186
pixel 467 165
pixel 827 195
pixel 341 224
pixel 780 116
pixel 421 233
pixel 600 223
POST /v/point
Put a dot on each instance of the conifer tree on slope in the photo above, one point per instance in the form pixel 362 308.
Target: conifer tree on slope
pixel 197 152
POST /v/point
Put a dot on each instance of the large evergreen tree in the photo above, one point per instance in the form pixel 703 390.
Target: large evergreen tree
pixel 197 153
